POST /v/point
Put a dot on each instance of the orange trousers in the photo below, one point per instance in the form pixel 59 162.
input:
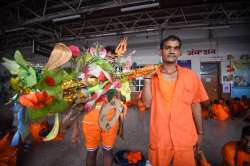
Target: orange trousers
pixel 179 156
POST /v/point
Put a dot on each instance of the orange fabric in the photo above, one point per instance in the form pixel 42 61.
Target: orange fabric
pixel 180 157
pixel 35 129
pixel 7 152
pixel 93 115
pixel 167 88
pixel 172 123
pixel 219 112
pixel 59 137
pixel 229 152
pixel 93 134
pixel 204 163
pixel 134 157
pixel 205 113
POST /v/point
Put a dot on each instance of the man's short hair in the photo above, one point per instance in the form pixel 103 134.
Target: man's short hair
pixel 170 38
pixel 246 131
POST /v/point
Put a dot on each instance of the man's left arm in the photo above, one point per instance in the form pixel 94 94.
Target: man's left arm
pixel 196 110
pixel 199 96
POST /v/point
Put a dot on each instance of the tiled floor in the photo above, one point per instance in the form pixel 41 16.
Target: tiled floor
pixel 136 138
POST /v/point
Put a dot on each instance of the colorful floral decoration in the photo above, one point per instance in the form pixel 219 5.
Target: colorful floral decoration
pixel 57 89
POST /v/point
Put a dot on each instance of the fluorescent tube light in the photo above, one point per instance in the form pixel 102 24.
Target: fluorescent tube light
pixel 66 18
pixel 105 34
pixel 145 6
pixel 217 27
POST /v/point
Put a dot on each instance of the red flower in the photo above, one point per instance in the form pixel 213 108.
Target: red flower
pixel 36 100
pixel 75 51
pixel 102 77
pixel 50 81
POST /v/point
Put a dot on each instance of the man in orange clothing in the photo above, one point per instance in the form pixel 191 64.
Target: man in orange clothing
pixel 92 130
pixel 174 94
pixel 219 112
pixel 237 153
pixel 95 132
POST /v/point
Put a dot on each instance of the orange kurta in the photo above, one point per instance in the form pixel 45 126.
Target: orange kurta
pixel 219 112
pixel 172 125
pixel 229 152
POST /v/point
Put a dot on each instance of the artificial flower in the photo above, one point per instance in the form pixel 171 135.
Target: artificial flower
pixel 75 51
pixel 50 81
pixel 35 99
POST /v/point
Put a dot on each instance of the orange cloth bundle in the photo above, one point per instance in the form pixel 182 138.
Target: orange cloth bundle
pixel 219 112
pixel 36 128
pixel 134 157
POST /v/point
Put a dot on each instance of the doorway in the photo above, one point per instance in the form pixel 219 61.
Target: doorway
pixel 210 76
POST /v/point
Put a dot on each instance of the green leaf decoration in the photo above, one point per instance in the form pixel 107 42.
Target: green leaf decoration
pixel 104 65
pixel 19 60
pixel 67 76
pixel 11 65
pixel 57 106
pixel 31 80
pixel 125 90
pixel 58 76
pixel 27 76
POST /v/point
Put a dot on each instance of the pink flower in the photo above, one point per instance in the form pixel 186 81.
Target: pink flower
pixel 116 84
pixel 103 52
pixel 92 51
pixel 75 51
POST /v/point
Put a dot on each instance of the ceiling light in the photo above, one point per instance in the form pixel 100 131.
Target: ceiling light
pixel 105 34
pixel 144 6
